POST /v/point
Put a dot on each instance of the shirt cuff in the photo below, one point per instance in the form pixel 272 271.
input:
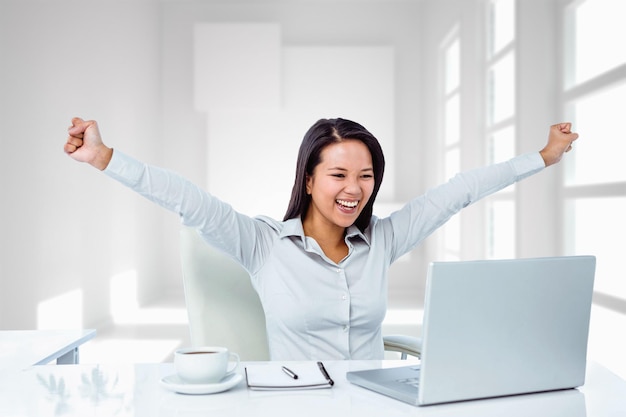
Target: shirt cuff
pixel 527 164
pixel 124 168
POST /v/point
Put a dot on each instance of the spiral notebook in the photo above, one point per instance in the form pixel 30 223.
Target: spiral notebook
pixel 290 376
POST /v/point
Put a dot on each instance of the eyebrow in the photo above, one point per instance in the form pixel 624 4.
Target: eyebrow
pixel 344 169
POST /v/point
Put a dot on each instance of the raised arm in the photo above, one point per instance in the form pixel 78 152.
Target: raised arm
pixel 423 215
pixel 84 144
pixel 220 225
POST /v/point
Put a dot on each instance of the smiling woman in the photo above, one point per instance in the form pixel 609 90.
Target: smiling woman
pixel 339 188
pixel 321 135
pixel 321 273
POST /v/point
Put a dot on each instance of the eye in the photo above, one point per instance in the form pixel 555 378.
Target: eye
pixel 338 175
pixel 367 176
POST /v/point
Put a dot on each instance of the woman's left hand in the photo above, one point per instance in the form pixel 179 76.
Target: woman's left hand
pixel 560 140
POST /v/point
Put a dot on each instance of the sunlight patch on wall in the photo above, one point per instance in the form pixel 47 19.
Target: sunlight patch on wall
pixel 123 295
pixel 125 308
pixel 61 312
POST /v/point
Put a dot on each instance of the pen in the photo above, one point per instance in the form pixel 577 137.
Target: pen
pixel 289 372
pixel 328 378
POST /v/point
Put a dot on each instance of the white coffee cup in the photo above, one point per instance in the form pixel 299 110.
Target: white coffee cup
pixel 204 365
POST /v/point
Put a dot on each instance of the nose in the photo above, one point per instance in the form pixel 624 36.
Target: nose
pixel 353 186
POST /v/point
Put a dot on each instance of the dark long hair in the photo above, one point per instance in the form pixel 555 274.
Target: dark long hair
pixel 323 133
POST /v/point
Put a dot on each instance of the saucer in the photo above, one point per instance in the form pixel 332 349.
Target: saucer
pixel 174 383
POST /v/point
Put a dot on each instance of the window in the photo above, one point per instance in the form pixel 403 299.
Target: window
pixel 451 94
pixel 594 181
pixel 595 34
pixel 500 122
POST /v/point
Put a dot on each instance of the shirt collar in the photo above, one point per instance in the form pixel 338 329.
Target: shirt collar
pixel 354 231
pixel 293 227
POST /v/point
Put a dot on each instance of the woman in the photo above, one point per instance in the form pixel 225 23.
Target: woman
pixel 321 273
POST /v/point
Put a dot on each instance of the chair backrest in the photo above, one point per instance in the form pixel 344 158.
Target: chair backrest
pixel 223 308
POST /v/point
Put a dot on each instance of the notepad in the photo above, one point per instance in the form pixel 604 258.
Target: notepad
pixel 271 376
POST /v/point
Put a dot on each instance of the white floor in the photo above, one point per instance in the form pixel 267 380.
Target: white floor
pixel 153 333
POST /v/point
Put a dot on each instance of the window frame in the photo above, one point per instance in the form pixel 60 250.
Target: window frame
pixel 493 127
pixel 571 93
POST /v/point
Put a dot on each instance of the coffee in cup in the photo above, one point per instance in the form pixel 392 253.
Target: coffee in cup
pixel 204 365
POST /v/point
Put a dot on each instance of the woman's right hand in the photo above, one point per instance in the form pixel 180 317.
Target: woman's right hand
pixel 84 144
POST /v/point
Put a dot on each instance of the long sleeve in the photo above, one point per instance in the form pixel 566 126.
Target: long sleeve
pixel 217 222
pixel 423 215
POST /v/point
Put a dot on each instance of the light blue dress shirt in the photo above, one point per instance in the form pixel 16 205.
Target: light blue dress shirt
pixel 315 308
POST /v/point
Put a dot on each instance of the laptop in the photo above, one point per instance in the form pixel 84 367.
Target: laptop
pixel 496 328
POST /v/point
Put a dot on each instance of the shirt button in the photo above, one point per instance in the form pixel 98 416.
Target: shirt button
pixel 344 297
pixel 346 328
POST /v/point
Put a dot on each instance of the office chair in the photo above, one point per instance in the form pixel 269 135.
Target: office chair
pixel 225 310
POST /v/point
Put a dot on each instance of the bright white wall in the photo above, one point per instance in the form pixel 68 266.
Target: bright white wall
pixel 133 66
pixel 66 229
pixel 251 132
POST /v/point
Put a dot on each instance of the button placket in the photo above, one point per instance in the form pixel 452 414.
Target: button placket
pixel 345 297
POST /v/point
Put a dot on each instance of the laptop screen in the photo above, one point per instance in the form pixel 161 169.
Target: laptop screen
pixel 503 327
pixel 496 328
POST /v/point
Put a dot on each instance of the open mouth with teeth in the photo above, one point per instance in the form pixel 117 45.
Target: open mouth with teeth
pixel 347 205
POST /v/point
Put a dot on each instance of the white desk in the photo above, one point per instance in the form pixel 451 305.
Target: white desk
pixel 134 390
pixel 23 348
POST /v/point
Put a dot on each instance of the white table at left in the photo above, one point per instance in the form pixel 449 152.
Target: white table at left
pixel 20 349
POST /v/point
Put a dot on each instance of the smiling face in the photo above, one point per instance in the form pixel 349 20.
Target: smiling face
pixel 340 187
